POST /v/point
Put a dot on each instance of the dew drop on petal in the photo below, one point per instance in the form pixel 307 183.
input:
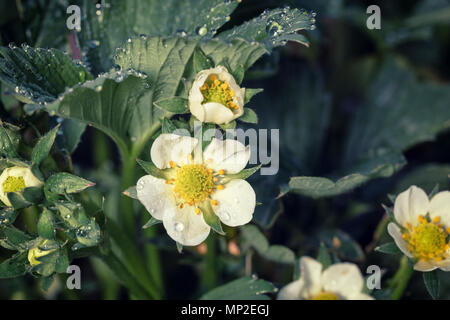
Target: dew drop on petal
pixel 178 226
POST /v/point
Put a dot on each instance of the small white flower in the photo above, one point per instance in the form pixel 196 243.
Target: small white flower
pixel 423 228
pixel 15 179
pixel 215 96
pixel 341 281
pixel 192 186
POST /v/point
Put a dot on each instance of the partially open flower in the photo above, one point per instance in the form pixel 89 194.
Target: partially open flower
pixel 15 179
pixel 341 281
pixel 37 252
pixel 423 228
pixel 193 190
pixel 215 96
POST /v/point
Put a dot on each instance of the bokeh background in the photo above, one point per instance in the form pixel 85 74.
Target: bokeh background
pixel 314 96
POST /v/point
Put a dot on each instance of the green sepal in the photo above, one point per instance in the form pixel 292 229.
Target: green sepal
pixel 250 93
pixel 211 218
pixel 176 105
pixel 45 225
pixel 42 148
pixel 249 116
pixel 64 182
pixel 151 223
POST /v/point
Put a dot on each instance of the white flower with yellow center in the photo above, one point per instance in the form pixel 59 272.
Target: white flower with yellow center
pixel 341 281
pixel 215 96
pixel 193 190
pixel 15 179
pixel 423 228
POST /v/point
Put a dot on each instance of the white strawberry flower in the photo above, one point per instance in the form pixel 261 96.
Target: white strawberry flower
pixel 422 228
pixel 340 281
pixel 194 190
pixel 216 97
pixel 15 179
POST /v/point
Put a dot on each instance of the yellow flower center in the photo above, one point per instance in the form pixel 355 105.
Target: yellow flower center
pixel 215 90
pixel 13 184
pixel 428 240
pixel 35 253
pixel 325 295
pixel 194 183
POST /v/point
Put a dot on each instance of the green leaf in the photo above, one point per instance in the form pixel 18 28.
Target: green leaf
pixel 247 288
pixel 249 116
pixel 9 139
pixel 317 187
pixel 323 256
pixel 250 93
pixel 388 248
pixel 191 19
pixel 39 75
pixel 45 226
pixel 151 223
pixel 211 218
pixel 175 105
pixel 64 182
pixel 43 147
pixel 16 238
pixel 15 266
pixel 151 169
pixel 7 216
pixel 18 201
pixel 89 235
pixel 72 131
pixel 432 283
pixel 238 73
pixel 274 27
pixel 168 126
pixel 259 242
pixel 201 61
pixel 131 192
pixel 243 174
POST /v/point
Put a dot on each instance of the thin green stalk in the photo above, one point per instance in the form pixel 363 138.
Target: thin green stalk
pixel 125 276
pixel 209 276
pixel 401 278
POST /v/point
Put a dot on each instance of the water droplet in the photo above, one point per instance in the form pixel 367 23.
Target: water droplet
pixel 313 27
pixel 202 31
pixel 178 226
pixel 98 88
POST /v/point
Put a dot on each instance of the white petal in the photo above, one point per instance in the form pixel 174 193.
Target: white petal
pixel 217 113
pixel 236 203
pixel 424 266
pixel 310 273
pixel 229 155
pixel 362 296
pixel 156 196
pixel 396 234
pixel 444 265
pixel 409 205
pixel 440 206
pixel 185 226
pixel 291 291
pixel 343 279
pixel 171 147
pixel 197 110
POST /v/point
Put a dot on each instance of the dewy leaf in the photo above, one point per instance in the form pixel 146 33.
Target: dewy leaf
pixel 39 75
pixel 9 140
pixel 274 27
pixel 45 225
pixel 43 146
pixel 247 288
pixel 64 182
pixel 15 266
pixel 108 103
pixel 72 131
pixel 109 26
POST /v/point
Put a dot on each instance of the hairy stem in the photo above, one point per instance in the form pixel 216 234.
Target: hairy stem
pixel 400 280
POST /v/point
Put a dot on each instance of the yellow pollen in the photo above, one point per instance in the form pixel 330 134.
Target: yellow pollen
pixel 436 219
pixel 193 183
pixel 214 202
pixel 325 295
pixel 172 164
pixel 197 210
pixel 427 241
pixel 221 172
pixel 215 90
pixel 13 184
pixel 220 187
